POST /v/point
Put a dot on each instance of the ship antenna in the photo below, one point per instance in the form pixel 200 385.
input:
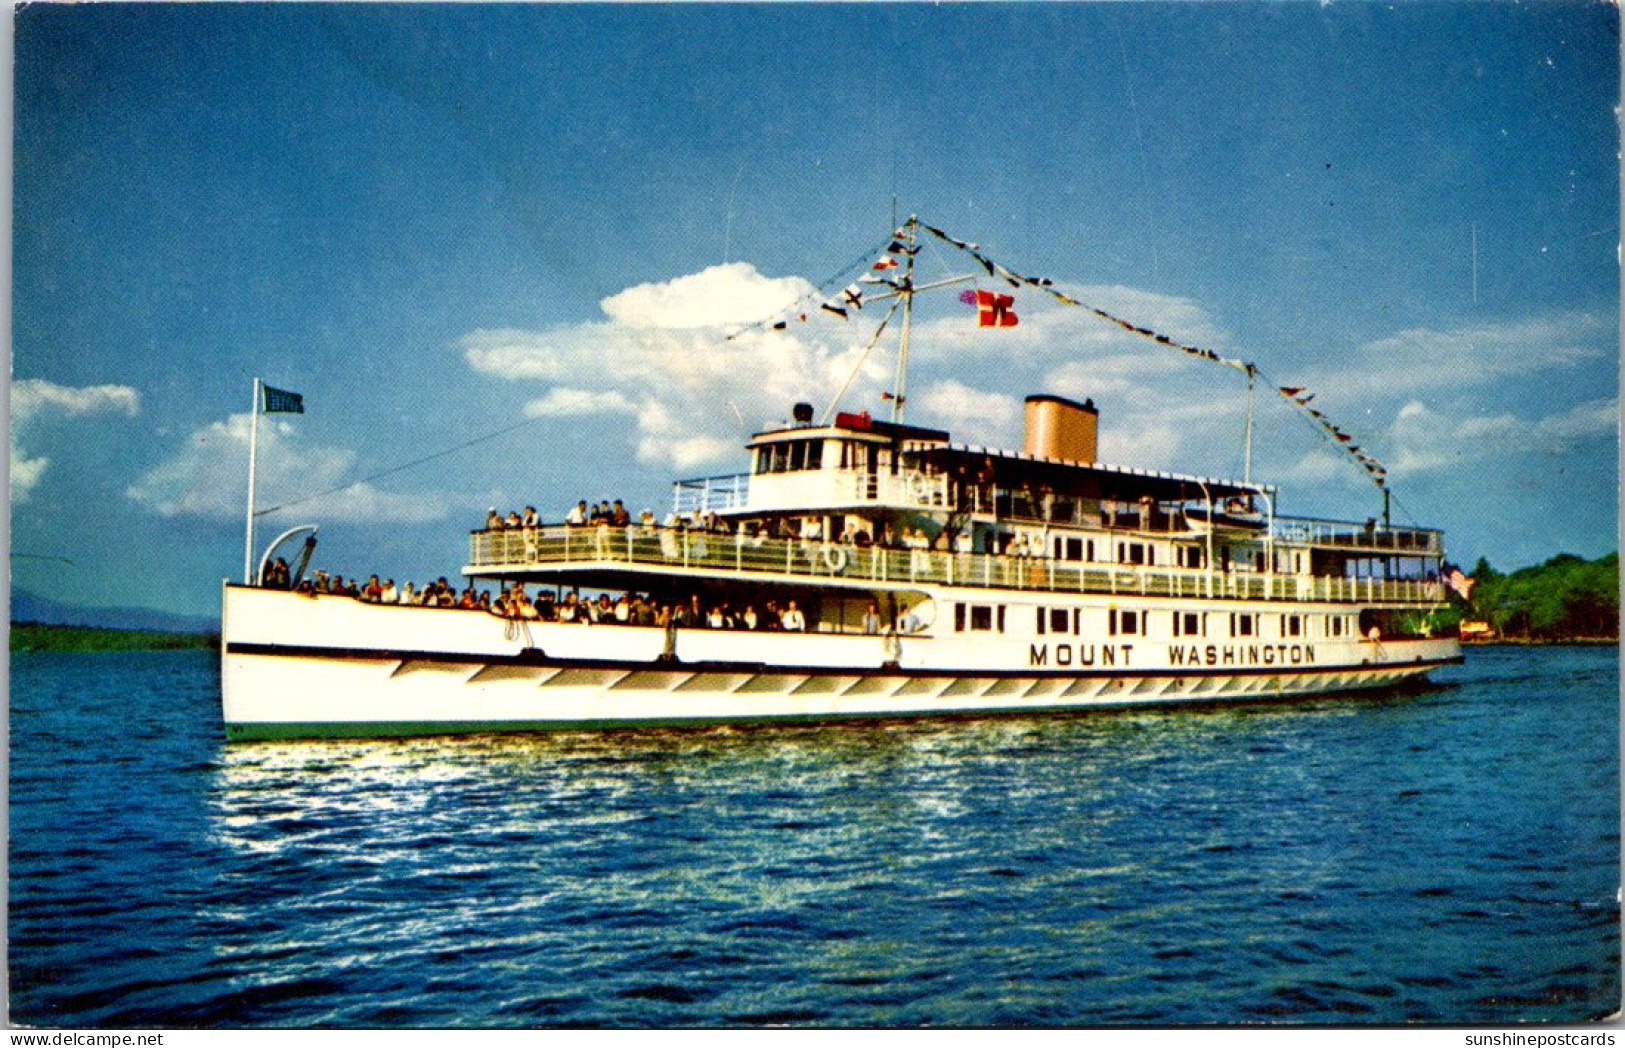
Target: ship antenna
pixel 1247 454
pixel 906 293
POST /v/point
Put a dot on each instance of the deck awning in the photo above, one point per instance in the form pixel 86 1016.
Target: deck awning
pixel 1014 469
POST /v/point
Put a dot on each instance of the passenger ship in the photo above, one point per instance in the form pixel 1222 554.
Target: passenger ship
pixel 1003 581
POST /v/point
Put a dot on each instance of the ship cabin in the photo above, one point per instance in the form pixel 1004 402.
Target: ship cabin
pixel 863 482
pixel 857 510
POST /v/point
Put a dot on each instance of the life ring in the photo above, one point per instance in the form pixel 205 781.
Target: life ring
pixel 834 558
pixel 918 487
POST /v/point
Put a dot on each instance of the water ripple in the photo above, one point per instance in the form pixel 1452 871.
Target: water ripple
pixel 1336 861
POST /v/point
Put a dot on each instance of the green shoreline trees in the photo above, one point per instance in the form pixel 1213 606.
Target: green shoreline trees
pixel 1566 598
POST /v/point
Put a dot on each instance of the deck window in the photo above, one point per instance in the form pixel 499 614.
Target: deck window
pixel 1190 624
pixel 1291 625
pixel 1243 624
pixel 1068 548
pixel 985 618
pixel 1126 623
pixel 1189 556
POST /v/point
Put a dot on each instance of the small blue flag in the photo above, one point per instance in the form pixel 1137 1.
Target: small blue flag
pixel 282 400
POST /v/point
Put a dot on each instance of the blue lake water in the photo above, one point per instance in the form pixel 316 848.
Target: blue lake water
pixel 1449 855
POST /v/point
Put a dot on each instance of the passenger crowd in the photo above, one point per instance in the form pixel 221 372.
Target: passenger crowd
pixel 582 514
pixel 626 609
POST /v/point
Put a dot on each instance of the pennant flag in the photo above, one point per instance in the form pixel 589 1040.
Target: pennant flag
pixel 853 296
pixel 994 310
pixel 283 401
pixel 829 307
pixel 781 325
pixel 885 263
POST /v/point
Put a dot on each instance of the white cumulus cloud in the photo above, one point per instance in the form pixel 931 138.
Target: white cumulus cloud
pixel 34 400
pixel 562 400
pixel 665 360
pixel 1427 438
pixel 979 416
pixel 208 478
pixel 723 295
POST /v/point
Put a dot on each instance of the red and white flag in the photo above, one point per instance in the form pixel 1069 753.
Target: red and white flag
pixel 994 310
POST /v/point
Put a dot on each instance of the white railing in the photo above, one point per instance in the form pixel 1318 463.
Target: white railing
pixel 711 494
pixel 810 489
pixel 1421 542
pixel 519 550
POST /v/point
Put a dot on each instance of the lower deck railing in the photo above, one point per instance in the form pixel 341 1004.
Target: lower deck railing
pixel 518 550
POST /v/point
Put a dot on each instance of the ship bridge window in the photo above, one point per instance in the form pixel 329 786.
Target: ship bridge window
pixel 790 456
pixel 1190 556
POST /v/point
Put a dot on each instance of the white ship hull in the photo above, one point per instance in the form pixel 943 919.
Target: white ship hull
pixel 295 667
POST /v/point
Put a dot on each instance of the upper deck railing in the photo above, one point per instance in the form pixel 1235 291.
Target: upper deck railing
pixel 517 551
pixel 915 490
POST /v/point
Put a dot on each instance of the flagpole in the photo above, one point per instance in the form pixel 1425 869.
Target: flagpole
pixel 253 450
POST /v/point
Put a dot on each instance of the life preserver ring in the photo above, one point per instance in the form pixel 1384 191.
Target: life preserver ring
pixel 834 558
pixel 919 488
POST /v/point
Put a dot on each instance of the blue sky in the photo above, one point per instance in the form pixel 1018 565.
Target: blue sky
pixel 435 222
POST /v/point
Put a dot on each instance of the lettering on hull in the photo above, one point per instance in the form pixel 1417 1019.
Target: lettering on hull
pixel 1090 655
pixel 1241 655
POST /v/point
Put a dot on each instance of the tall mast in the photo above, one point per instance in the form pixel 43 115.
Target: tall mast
pixel 1247 455
pixel 900 390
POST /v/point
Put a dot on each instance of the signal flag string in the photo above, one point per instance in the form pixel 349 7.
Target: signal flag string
pixel 1298 396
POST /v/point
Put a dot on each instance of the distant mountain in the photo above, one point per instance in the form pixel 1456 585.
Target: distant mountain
pixel 30 607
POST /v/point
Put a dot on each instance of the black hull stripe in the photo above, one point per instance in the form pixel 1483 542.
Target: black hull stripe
pixel 535 657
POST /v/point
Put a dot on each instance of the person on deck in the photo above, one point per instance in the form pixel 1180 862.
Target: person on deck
pixel 793 619
pixel 871 619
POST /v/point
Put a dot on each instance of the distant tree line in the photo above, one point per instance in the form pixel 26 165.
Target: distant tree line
pixel 1566 598
pixel 36 636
